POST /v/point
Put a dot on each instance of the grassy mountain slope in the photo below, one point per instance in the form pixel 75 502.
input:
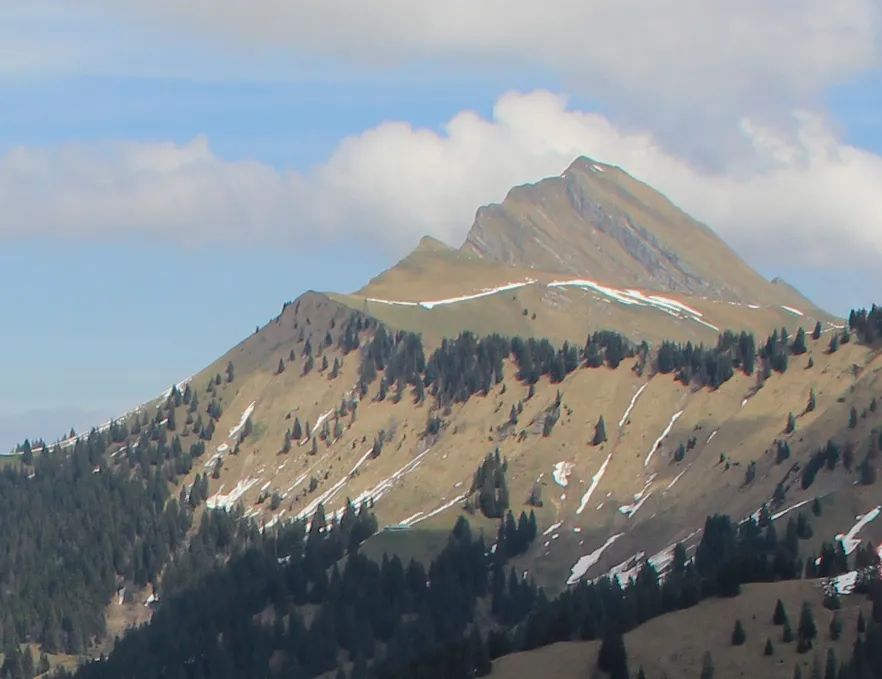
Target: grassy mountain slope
pixel 417 474
pixel 673 453
pixel 440 292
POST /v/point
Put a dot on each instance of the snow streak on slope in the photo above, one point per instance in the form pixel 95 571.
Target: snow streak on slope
pixel 631 297
pixel 218 501
pixel 453 300
pixel 235 430
pixel 595 481
pixel 446 505
pixel 849 541
pixel 553 527
pixel 577 572
pixel 678 477
pixel 319 422
pixel 639 499
pixel 661 438
pixel 631 404
pixel 795 312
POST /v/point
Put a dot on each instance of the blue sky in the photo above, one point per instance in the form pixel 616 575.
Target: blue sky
pixel 134 282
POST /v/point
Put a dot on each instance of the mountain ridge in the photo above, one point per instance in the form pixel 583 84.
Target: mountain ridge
pixel 599 222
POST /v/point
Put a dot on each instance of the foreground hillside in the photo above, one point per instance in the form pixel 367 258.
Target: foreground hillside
pixel 676 644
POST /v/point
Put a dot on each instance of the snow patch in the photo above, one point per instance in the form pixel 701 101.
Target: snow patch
pixel 631 404
pixel 553 527
pixel 446 505
pixel 320 421
pixel 639 499
pixel 595 481
pixel 849 541
pixel 661 438
pixel 219 501
pixel 561 472
pixel 631 510
pixel 677 478
pixel 245 415
pixel 795 312
pixel 631 297
pixel 581 567
pixel 453 300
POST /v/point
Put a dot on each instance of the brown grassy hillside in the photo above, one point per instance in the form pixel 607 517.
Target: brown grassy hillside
pixel 674 645
pixel 440 292
pixel 424 480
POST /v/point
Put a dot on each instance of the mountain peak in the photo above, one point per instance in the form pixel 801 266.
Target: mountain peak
pixel 431 244
pixel 586 164
pixel 596 221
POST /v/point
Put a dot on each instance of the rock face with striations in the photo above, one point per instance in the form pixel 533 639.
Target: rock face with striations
pixel 595 221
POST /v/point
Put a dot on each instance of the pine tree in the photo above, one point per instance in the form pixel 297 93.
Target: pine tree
pixel 852 418
pixel 707 666
pixel 832 666
pixel 861 623
pixel 816 333
pixel 811 402
pixel 866 473
pixel 797 672
pixel 281 367
pixel 787 634
pixel 835 626
pixel 612 657
pixel 481 654
pixel 599 432
pixel 297 430
pixel 807 630
pixel 535 495
pixel 769 649
pixel 780 615
pixel 791 424
pixel 314 449
pixel 739 636
pixel 834 343
pixel 798 348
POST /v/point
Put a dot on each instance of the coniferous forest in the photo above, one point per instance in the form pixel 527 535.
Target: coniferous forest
pixel 300 600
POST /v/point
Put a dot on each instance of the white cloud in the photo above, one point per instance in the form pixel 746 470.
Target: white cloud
pixel 394 183
pixel 681 55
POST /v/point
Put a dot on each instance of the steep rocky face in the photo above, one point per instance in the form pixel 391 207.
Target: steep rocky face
pixel 598 222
